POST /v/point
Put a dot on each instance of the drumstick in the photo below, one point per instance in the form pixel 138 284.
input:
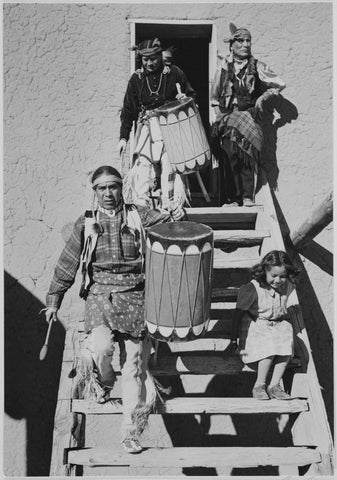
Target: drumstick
pixel 44 349
pixel 178 88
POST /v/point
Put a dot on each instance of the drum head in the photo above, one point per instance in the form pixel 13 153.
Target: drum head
pixel 176 106
pixel 180 233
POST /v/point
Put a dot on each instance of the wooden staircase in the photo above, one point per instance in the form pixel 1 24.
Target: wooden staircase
pixel 209 424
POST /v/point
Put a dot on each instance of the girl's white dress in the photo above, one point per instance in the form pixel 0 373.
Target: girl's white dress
pixel 266 327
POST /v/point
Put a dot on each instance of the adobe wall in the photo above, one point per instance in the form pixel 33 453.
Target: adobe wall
pixel 66 67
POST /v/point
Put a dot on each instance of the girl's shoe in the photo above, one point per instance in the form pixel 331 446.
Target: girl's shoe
pixel 277 392
pixel 259 392
pixel 131 445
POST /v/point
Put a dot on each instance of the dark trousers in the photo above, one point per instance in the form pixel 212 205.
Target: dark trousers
pixel 238 177
pixel 242 180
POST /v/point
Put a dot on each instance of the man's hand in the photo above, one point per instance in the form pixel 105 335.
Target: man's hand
pixel 180 96
pixel 177 213
pixel 121 146
pixel 271 92
pixel 51 314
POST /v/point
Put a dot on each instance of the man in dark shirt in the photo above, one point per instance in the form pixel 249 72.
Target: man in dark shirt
pixel 151 86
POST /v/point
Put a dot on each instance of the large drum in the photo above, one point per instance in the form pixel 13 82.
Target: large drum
pixel 184 135
pixel 179 265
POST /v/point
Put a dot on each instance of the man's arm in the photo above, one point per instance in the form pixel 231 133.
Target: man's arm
pixel 181 78
pixel 130 110
pixel 150 217
pixel 66 267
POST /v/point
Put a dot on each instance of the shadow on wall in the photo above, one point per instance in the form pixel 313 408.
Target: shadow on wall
pixel 319 333
pixel 278 111
pixel 31 386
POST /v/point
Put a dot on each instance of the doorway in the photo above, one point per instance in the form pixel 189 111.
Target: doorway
pixel 195 54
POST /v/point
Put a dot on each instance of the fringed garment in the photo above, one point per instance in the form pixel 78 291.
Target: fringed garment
pixel 152 170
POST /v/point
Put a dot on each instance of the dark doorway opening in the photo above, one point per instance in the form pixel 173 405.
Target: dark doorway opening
pixel 191 43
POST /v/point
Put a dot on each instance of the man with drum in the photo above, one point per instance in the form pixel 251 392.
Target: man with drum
pixel 148 88
pixel 109 244
pixel 240 87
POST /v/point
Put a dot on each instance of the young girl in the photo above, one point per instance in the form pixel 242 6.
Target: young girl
pixel 266 334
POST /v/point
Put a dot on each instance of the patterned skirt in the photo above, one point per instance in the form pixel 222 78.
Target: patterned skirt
pixel 244 133
pixel 263 338
pixel 116 301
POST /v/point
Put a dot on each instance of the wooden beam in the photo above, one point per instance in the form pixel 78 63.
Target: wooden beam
pixel 203 363
pixel 318 219
pixel 68 428
pixel 196 405
pixel 241 237
pixel 228 218
pixel 226 262
pixel 197 457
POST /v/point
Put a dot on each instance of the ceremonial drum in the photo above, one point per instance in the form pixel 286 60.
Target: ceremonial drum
pixel 184 135
pixel 178 283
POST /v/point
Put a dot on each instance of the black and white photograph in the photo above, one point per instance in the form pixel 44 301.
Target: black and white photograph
pixel 168 184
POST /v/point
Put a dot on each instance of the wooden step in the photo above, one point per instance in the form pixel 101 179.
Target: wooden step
pixel 230 218
pixel 202 363
pixel 240 237
pixel 224 261
pixel 208 364
pixel 199 405
pixel 224 294
pixel 238 457
pixel 207 342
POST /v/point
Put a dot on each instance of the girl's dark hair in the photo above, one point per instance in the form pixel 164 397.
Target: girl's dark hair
pixel 105 169
pixel 275 258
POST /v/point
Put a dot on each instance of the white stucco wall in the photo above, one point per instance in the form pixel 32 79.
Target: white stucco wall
pixel 66 67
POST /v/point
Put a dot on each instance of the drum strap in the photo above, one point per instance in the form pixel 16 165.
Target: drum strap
pixel 90 241
pixel 134 222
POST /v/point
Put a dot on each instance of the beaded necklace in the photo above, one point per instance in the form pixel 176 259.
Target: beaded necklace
pixel 154 92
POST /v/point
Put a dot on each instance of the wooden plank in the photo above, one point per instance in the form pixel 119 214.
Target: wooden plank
pixel 223 305
pixel 223 212
pixel 242 237
pixel 200 344
pixel 203 363
pixel 210 364
pixel 198 457
pixel 318 219
pixel 63 437
pixel 199 405
pixel 291 470
pixel 268 219
pixel 219 293
pixel 222 263
pixel 313 424
pixel 226 218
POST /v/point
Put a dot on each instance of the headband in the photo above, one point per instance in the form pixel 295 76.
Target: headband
pixel 236 33
pixel 107 178
pixel 148 47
